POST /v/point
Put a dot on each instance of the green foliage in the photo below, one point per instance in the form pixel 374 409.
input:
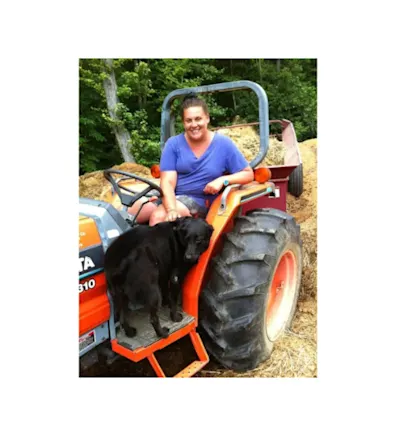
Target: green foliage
pixel 145 145
pixel 143 84
pixel 136 83
pixel 98 147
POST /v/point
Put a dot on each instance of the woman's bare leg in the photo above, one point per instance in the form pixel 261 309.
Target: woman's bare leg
pixel 145 213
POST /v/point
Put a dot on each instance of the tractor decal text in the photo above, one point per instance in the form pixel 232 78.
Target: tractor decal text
pixel 91 261
pixel 85 263
pixel 85 286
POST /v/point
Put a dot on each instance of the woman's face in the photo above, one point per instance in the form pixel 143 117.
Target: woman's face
pixel 195 123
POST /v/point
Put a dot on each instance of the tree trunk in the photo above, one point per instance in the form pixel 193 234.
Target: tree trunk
pixel 233 95
pixel 278 65
pixel 260 72
pixel 121 133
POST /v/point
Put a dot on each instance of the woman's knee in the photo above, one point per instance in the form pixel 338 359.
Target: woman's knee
pixel 145 212
pixel 182 209
pixel 158 216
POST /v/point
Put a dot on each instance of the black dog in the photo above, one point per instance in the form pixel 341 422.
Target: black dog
pixel 148 264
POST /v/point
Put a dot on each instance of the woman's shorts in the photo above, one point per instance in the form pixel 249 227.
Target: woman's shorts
pixel 194 208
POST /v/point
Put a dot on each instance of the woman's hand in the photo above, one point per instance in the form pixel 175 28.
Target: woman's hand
pixel 214 186
pixel 172 215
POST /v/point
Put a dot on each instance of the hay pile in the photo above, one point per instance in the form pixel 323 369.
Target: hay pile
pixel 294 354
pixel 248 142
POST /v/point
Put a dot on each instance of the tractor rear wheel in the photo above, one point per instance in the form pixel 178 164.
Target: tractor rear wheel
pixel 251 296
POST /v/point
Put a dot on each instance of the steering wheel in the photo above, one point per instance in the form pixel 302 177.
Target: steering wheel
pixel 126 199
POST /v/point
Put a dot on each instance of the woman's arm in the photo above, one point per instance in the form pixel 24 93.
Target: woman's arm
pixel 241 177
pixel 168 181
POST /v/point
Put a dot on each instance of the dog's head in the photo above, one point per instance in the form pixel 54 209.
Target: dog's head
pixel 193 234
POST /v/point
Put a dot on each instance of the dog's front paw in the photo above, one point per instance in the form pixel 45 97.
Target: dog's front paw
pixel 164 332
pixel 129 331
pixel 176 317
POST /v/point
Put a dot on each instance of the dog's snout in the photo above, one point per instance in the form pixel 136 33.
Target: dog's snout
pixel 191 258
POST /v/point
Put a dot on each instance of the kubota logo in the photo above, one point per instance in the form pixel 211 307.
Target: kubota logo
pixel 85 263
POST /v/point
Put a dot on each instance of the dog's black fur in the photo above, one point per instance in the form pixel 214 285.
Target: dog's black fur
pixel 148 264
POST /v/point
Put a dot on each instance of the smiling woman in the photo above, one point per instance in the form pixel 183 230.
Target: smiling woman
pixel 196 165
pixel 195 116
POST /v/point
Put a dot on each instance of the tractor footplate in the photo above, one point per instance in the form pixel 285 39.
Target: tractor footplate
pixel 146 342
pixel 146 334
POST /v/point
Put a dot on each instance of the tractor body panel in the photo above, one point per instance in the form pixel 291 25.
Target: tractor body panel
pixel 100 223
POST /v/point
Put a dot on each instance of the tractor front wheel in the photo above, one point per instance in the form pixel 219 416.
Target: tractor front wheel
pixel 251 296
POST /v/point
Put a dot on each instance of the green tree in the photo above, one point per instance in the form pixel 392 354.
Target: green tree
pixel 143 84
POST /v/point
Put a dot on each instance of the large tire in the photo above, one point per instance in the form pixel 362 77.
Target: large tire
pixel 244 308
pixel 295 185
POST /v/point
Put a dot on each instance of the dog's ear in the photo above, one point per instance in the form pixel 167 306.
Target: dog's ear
pixel 178 222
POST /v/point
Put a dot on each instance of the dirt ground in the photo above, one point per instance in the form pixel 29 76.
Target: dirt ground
pixel 295 353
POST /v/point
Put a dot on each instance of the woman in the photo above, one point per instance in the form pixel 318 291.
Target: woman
pixel 193 165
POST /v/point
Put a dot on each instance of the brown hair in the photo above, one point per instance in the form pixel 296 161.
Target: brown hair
pixel 191 100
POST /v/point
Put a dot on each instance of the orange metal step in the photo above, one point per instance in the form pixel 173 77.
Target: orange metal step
pixel 191 369
pixel 148 352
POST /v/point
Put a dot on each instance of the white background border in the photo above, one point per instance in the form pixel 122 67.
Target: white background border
pixel 42 42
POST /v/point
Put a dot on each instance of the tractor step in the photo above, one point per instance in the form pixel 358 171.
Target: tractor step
pixel 146 334
pixel 193 367
pixel 146 342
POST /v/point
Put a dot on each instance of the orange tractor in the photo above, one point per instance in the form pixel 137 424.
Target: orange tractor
pixel 240 296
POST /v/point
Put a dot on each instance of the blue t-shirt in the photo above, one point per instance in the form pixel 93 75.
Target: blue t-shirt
pixel 193 173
